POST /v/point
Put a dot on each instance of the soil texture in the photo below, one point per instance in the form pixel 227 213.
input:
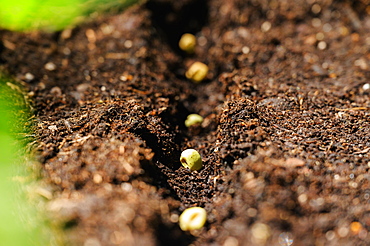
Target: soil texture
pixel 284 141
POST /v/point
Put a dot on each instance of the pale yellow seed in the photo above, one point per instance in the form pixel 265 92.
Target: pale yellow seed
pixel 193 119
pixel 193 218
pixel 187 42
pixel 197 72
pixel 191 159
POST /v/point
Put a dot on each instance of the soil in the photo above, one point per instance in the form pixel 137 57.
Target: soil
pixel 284 141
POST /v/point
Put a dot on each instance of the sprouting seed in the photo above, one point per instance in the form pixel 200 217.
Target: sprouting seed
pixel 197 72
pixel 190 158
pixel 187 42
pixel 193 119
pixel 192 218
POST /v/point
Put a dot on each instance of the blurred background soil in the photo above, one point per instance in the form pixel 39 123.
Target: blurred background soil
pixel 285 140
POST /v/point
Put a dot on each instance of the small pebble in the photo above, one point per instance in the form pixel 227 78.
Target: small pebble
pixel 316 8
pixel 343 231
pixel 285 239
pixel 322 45
pixel 92 242
pixel 266 26
pixel 231 241
pixel 29 76
pixel 260 232
pixel 246 50
pixel 330 235
pixel 50 66
pixel 97 178
pixel 355 227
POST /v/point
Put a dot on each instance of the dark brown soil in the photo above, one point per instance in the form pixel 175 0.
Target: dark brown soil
pixel 285 141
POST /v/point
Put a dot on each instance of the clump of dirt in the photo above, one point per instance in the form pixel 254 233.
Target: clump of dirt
pixel 285 141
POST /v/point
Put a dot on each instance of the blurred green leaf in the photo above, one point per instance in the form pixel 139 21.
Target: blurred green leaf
pixel 18 224
pixel 51 15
